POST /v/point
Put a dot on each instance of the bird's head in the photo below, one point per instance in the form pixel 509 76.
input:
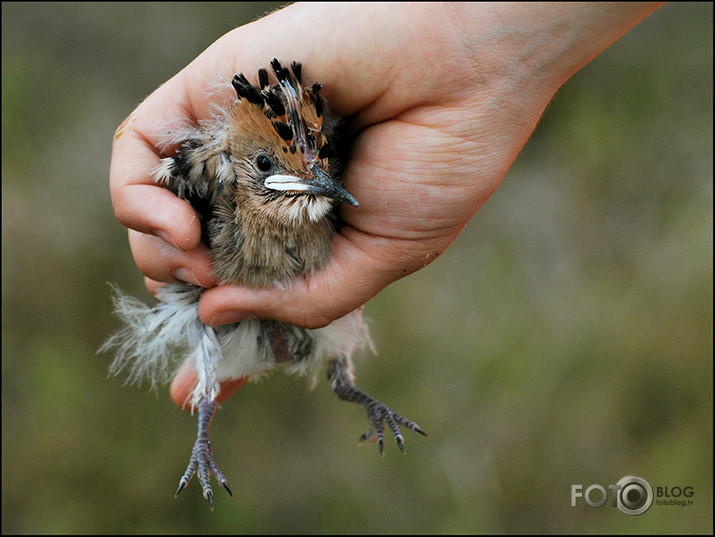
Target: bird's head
pixel 264 178
pixel 279 149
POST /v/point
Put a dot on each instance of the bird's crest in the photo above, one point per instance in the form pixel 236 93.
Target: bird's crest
pixel 288 109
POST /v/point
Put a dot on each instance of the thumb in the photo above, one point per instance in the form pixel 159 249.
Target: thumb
pixel 346 282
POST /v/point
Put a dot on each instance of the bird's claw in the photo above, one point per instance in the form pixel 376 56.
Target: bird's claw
pixel 380 415
pixel 202 461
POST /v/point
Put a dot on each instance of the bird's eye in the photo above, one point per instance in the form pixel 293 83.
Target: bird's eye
pixel 264 164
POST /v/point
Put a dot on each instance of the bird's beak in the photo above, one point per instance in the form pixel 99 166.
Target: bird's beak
pixel 320 184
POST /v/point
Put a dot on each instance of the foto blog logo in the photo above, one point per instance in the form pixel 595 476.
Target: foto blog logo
pixel 633 495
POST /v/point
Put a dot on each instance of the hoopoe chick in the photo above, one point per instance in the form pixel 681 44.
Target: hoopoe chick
pixel 263 176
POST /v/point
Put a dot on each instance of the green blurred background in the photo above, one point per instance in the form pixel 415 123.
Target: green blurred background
pixel 565 338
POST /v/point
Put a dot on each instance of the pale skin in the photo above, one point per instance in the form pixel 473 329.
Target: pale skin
pixel 441 99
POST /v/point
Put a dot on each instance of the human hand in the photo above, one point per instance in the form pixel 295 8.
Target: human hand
pixel 440 98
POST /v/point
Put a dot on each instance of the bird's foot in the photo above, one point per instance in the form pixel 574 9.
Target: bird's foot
pixel 202 462
pixel 379 415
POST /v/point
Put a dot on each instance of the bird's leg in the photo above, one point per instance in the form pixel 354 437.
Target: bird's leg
pixel 378 413
pixel 202 461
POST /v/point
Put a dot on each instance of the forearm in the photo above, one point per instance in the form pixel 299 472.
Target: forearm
pixel 540 45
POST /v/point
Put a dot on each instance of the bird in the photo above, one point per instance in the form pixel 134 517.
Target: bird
pixel 264 175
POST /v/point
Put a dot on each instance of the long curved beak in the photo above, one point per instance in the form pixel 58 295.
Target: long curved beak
pixel 320 184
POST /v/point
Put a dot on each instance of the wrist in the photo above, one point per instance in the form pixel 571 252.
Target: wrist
pixel 538 46
pixel 515 56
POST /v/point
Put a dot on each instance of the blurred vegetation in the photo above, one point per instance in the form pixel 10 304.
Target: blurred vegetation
pixel 565 338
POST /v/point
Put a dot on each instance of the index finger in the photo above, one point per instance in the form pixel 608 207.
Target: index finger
pixel 138 202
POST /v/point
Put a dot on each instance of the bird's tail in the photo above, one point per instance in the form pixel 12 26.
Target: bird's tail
pixel 148 346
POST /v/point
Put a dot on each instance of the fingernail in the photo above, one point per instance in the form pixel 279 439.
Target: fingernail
pixel 230 316
pixel 163 235
pixel 186 275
